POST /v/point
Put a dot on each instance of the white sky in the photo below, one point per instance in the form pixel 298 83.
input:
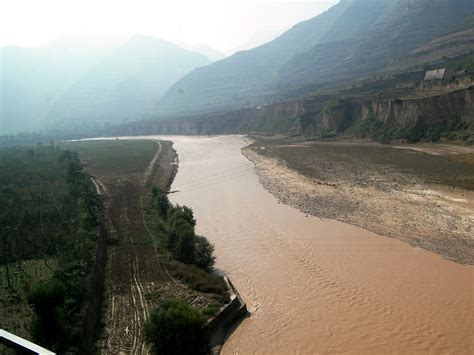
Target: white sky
pixel 221 24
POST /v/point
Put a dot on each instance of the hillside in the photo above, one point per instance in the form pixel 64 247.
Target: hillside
pixel 352 40
pixel 126 84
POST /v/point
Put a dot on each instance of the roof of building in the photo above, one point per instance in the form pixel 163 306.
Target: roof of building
pixel 436 74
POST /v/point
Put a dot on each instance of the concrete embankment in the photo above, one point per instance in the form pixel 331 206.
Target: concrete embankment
pixel 226 318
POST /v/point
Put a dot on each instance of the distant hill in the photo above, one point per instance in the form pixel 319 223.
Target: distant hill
pixel 126 84
pixel 205 50
pixel 352 40
pixel 31 79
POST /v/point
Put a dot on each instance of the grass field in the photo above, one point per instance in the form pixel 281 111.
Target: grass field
pixel 114 157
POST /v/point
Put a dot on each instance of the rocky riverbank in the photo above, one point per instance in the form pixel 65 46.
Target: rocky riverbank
pixel 424 199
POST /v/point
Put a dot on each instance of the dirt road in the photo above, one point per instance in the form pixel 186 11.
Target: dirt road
pixel 134 273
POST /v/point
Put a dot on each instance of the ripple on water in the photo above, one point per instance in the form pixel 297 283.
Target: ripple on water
pixel 314 285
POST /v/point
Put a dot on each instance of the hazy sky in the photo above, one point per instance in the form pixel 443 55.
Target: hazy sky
pixel 221 24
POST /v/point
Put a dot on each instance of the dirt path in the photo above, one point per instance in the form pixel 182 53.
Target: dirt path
pixel 134 274
pixel 152 166
pixel 133 271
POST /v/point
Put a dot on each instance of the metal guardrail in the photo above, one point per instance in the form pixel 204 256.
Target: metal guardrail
pixel 22 345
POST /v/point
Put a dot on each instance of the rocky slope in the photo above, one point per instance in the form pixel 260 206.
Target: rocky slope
pixel 424 114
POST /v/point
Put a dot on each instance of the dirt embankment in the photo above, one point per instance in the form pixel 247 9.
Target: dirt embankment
pixel 424 199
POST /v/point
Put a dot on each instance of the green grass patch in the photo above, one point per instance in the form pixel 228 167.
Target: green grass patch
pixel 114 157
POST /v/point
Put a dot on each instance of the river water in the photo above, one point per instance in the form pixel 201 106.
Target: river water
pixel 313 285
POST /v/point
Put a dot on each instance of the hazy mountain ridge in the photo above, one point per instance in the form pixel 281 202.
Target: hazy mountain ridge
pixel 126 84
pixel 354 39
pixel 74 83
pixel 33 78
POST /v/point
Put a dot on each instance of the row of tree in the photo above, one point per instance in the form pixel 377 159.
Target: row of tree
pixel 176 231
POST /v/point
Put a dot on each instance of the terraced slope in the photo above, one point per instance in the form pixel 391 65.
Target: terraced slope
pixel 351 40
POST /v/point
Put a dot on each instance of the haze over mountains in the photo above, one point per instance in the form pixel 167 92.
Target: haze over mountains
pixel 127 83
pixel 32 78
pixel 76 85
pixel 352 40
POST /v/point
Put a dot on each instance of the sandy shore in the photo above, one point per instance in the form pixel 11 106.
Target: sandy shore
pixel 377 197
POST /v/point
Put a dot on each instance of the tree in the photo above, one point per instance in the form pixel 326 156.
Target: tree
pixel 203 257
pixel 184 246
pixel 160 202
pixel 47 299
pixel 175 327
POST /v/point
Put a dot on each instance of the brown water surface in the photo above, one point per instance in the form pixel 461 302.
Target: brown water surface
pixel 312 285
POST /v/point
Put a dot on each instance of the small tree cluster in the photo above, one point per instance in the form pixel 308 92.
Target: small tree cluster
pixel 178 233
pixel 175 327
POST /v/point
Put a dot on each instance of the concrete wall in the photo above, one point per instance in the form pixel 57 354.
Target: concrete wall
pixel 223 321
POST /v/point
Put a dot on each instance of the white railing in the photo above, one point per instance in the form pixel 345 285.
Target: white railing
pixel 15 342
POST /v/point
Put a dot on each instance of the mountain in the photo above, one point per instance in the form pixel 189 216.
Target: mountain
pixel 126 84
pixel 257 39
pixel 31 79
pixel 204 49
pixel 207 51
pixel 352 40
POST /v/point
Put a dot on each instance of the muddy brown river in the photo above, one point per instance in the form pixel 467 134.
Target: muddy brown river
pixel 313 285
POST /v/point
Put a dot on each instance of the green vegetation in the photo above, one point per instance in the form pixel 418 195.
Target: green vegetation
pixel 176 328
pixel 109 157
pixel 371 127
pixel 190 256
pixel 420 130
pixel 465 25
pixel 464 62
pixel 177 233
pixel 466 136
pixel 49 225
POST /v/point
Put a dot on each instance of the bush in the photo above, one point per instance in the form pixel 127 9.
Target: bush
pixel 176 328
pixel 175 226
pixel 160 202
pixel 203 257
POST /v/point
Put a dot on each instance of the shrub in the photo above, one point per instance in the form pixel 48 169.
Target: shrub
pixel 176 328
pixel 160 202
pixel 199 279
pixel 203 257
